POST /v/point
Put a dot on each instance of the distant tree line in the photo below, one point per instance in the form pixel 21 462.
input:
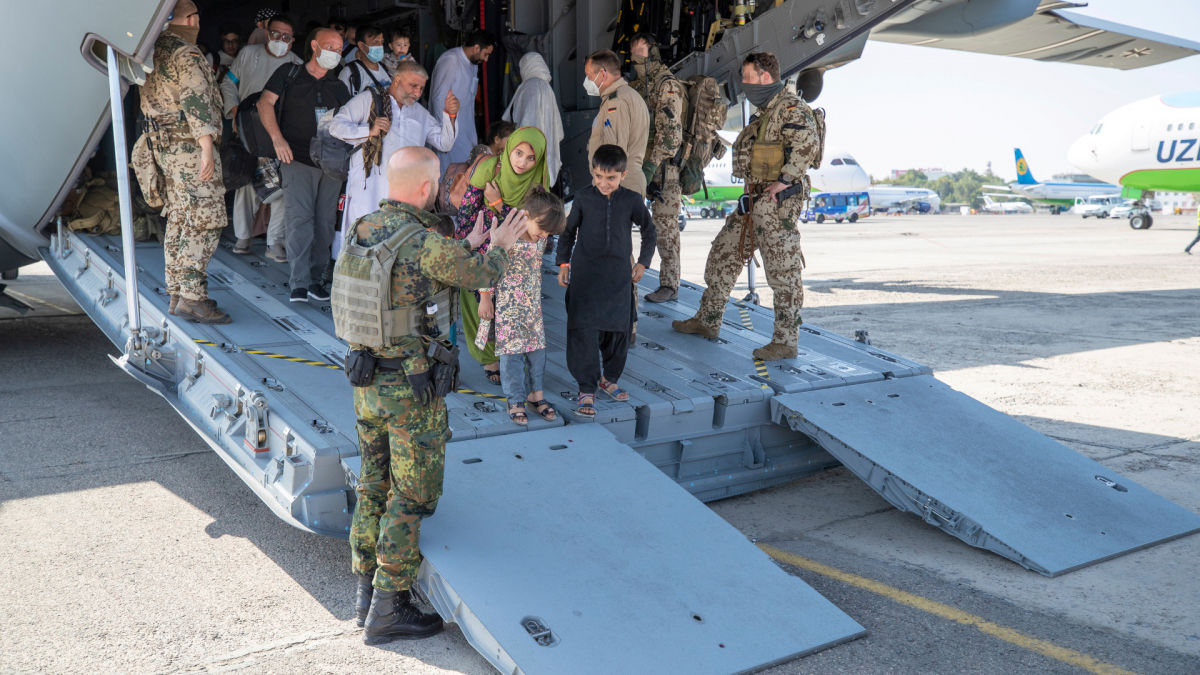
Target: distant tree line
pixel 960 187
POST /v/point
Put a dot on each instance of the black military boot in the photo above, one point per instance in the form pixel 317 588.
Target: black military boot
pixel 393 615
pixel 362 600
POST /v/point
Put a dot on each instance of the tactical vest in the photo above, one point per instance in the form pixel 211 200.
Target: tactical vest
pixel 361 296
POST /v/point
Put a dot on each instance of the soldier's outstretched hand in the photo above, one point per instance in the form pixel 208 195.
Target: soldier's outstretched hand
pixel 510 230
pixel 480 233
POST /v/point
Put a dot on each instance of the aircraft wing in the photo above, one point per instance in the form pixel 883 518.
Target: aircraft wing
pixel 1049 34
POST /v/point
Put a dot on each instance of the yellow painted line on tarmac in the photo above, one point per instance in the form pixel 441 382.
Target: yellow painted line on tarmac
pixel 39 301
pixel 1009 635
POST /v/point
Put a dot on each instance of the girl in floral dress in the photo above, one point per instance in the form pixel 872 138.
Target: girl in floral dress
pixel 498 185
pixel 520 333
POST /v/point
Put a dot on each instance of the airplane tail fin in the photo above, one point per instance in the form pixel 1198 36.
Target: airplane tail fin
pixel 1024 175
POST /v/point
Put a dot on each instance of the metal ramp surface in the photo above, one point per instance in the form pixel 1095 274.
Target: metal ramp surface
pixel 982 476
pixel 563 551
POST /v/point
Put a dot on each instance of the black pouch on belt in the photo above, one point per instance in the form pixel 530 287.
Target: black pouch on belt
pixel 444 366
pixel 360 367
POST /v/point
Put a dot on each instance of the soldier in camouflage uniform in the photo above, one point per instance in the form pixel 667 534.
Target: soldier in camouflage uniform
pixel 182 106
pixel 402 443
pixel 773 153
pixel 664 95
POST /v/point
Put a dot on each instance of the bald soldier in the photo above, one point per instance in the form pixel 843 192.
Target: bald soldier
pixel 402 425
pixel 773 154
pixel 182 107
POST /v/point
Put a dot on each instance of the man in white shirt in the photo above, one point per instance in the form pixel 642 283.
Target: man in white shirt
pixel 457 72
pixel 365 69
pixel 248 74
pixel 407 124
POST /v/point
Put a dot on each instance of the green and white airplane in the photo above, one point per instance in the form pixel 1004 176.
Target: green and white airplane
pixel 1151 144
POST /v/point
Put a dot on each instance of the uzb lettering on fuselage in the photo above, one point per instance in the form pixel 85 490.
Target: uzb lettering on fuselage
pixel 1181 150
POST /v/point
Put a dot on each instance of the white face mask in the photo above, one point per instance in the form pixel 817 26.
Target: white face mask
pixel 328 59
pixel 591 87
pixel 277 47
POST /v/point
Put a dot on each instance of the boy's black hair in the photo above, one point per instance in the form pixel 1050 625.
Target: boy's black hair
pixel 546 209
pixel 501 129
pixel 609 158
pixel 366 32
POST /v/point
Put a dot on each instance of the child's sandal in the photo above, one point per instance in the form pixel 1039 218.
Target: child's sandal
pixel 493 376
pixel 516 413
pixel 587 406
pixel 611 388
pixel 544 410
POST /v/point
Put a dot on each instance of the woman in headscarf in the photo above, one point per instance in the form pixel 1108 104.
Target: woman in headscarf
pixel 534 105
pixel 498 186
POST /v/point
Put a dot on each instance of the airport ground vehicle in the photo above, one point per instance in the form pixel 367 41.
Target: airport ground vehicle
pixel 1098 206
pixel 704 420
pixel 1123 209
pixel 839 206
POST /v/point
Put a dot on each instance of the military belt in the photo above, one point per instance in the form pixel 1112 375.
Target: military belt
pixel 162 122
pixel 389 365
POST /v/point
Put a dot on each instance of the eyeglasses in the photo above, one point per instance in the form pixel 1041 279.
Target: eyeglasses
pixel 282 37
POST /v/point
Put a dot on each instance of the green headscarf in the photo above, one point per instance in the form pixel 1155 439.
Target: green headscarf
pixel 514 186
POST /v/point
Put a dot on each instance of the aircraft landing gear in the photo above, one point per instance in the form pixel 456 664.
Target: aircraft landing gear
pixel 1141 221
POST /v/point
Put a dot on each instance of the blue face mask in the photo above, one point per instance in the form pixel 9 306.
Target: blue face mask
pixel 375 53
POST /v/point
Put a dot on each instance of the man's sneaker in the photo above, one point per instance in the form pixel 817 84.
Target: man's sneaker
pixel 299 295
pixel 242 247
pixel 277 253
pixel 693 326
pixel 663 294
pixel 318 292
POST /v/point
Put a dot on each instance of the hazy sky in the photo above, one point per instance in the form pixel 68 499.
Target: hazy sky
pixel 899 106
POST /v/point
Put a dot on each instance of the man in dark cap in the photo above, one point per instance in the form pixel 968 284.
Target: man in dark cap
pixel 261 19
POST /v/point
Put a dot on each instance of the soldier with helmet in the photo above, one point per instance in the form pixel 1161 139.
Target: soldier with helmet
pixel 773 155
pixel 182 107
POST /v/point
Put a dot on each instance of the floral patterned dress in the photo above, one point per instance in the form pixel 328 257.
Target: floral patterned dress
pixel 519 328
pixel 473 204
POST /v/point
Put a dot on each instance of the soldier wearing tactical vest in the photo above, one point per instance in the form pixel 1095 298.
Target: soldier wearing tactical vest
pixel 773 155
pixel 181 133
pixel 664 95
pixel 402 424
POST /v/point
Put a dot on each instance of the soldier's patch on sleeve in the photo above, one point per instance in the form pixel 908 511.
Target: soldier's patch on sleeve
pixel 613 109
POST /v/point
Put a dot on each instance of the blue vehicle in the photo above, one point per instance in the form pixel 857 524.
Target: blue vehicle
pixel 837 205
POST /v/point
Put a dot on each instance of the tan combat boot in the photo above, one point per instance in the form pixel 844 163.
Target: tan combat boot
pixel 174 304
pixel 774 352
pixel 201 311
pixel 663 294
pixel 693 326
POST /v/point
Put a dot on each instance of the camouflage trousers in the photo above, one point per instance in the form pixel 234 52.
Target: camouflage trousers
pixel 403 450
pixel 665 211
pixel 777 238
pixel 195 212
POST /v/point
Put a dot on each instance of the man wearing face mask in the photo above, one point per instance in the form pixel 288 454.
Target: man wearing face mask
pixel 365 70
pixel 664 95
pixel 773 155
pixel 457 72
pixel 378 124
pixel 310 196
pixel 248 74
pixel 182 107
pixel 623 119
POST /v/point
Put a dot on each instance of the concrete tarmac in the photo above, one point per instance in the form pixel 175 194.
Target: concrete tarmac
pixel 130 546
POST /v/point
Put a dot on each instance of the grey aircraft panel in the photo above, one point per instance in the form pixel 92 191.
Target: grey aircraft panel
pixel 982 476
pixel 569 530
pixel 1046 35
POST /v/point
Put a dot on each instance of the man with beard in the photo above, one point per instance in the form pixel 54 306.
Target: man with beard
pixel 402 424
pixel 379 124
pixel 457 72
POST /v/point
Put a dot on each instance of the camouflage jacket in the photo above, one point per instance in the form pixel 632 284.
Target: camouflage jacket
pixel 664 95
pixel 426 264
pixel 789 121
pixel 182 81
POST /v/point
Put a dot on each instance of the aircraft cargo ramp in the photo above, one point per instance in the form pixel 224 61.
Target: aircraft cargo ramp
pixel 540 528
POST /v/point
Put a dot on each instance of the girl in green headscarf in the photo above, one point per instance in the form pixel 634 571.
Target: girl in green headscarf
pixel 498 185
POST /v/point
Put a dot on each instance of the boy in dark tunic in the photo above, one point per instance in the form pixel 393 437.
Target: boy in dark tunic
pixel 594 255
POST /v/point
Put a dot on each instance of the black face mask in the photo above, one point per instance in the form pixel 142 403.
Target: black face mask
pixel 761 94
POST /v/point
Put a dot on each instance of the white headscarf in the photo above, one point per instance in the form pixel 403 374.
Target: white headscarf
pixel 534 105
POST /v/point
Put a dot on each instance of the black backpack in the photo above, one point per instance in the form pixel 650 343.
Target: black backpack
pixel 250 128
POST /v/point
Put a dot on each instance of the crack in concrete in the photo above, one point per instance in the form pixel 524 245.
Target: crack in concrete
pixel 86 468
pixel 238 660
